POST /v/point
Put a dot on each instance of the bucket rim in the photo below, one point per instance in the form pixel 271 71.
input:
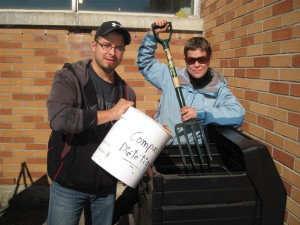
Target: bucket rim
pixel 145 115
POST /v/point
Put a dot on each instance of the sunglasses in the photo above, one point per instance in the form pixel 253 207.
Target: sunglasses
pixel 201 60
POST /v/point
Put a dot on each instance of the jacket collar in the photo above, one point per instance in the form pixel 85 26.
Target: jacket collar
pixel 211 88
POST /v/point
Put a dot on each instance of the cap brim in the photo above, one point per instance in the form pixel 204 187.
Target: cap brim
pixel 124 32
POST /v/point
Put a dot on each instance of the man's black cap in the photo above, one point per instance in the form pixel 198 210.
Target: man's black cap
pixel 110 26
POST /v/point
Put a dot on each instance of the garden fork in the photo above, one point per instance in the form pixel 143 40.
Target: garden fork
pixel 190 125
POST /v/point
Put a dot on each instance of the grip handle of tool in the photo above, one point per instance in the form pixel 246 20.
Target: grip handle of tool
pixel 164 42
pixel 171 66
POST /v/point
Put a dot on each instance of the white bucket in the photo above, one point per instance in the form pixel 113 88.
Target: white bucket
pixel 131 146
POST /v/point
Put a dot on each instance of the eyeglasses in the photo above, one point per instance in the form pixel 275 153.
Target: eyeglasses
pixel 201 60
pixel 107 47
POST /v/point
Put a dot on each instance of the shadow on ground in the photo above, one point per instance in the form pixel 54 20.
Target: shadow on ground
pixel 30 205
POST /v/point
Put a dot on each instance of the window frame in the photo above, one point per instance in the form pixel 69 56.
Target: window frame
pixel 90 19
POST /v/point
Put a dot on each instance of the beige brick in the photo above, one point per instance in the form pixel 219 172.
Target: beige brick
pixel 271 74
pixel 278 114
pixel 289 103
pixel 253 5
pixel 291 205
pixel 242 11
pixel 271 48
pixel 293 220
pixel 13 160
pixel 23 126
pixel 40 168
pixel 292 147
pixel 229 53
pixel 33 74
pixel 256 131
pixel 272 23
pixel 21 111
pixel 20 153
pixel 11 104
pixel 297 166
pixel 291 46
pixel 296 31
pixel 241 32
pixel 286 130
pixel 235 23
pixel 281 61
pixel 222 29
pixel 274 139
pixel 267 98
pixel 16 37
pixel 147 105
pixel 254 28
pixel 224 45
pixel 246 62
pixel 22 67
pixel 244 83
pixel 10 118
pixel 228 72
pixel 7 167
pixel 290 74
pixel 261 85
pixel 17 82
pixel 251 117
pixel 151 97
pixel 263 13
pixel 296 195
pixel 35 104
pixel 235 43
pixel 254 50
pixel 259 108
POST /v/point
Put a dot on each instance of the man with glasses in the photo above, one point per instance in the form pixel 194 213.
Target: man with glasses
pixel 204 90
pixel 86 99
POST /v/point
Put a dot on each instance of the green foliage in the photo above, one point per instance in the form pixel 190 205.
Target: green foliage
pixel 181 13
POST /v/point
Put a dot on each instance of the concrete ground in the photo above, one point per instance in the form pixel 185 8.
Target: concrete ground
pixel 29 216
pixel 27 207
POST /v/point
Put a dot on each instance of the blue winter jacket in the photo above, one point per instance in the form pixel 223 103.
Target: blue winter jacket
pixel 214 103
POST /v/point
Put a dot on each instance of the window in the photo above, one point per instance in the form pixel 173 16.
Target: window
pixel 136 14
pixel 144 6
pixel 36 4
pixel 181 7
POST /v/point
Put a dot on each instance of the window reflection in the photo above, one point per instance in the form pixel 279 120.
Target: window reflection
pixel 36 4
pixel 184 7
pixel 146 6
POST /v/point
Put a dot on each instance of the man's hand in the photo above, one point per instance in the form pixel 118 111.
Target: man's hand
pixel 115 113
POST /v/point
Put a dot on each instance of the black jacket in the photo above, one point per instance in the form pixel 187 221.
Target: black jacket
pixel 75 135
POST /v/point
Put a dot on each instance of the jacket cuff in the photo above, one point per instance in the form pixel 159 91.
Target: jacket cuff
pixel 89 119
pixel 200 115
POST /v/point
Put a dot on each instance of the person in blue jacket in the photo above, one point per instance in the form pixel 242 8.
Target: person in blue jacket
pixel 205 91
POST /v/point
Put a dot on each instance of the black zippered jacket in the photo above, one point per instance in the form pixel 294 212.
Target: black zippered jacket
pixel 75 134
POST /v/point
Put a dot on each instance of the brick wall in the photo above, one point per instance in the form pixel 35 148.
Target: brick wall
pixel 256 45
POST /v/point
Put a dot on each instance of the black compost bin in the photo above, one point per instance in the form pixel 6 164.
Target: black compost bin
pixel 240 186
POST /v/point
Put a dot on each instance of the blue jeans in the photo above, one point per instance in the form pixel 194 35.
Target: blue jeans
pixel 66 206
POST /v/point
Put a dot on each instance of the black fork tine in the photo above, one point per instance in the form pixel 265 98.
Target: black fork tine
pixel 177 132
pixel 185 128
pixel 203 136
pixel 193 124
